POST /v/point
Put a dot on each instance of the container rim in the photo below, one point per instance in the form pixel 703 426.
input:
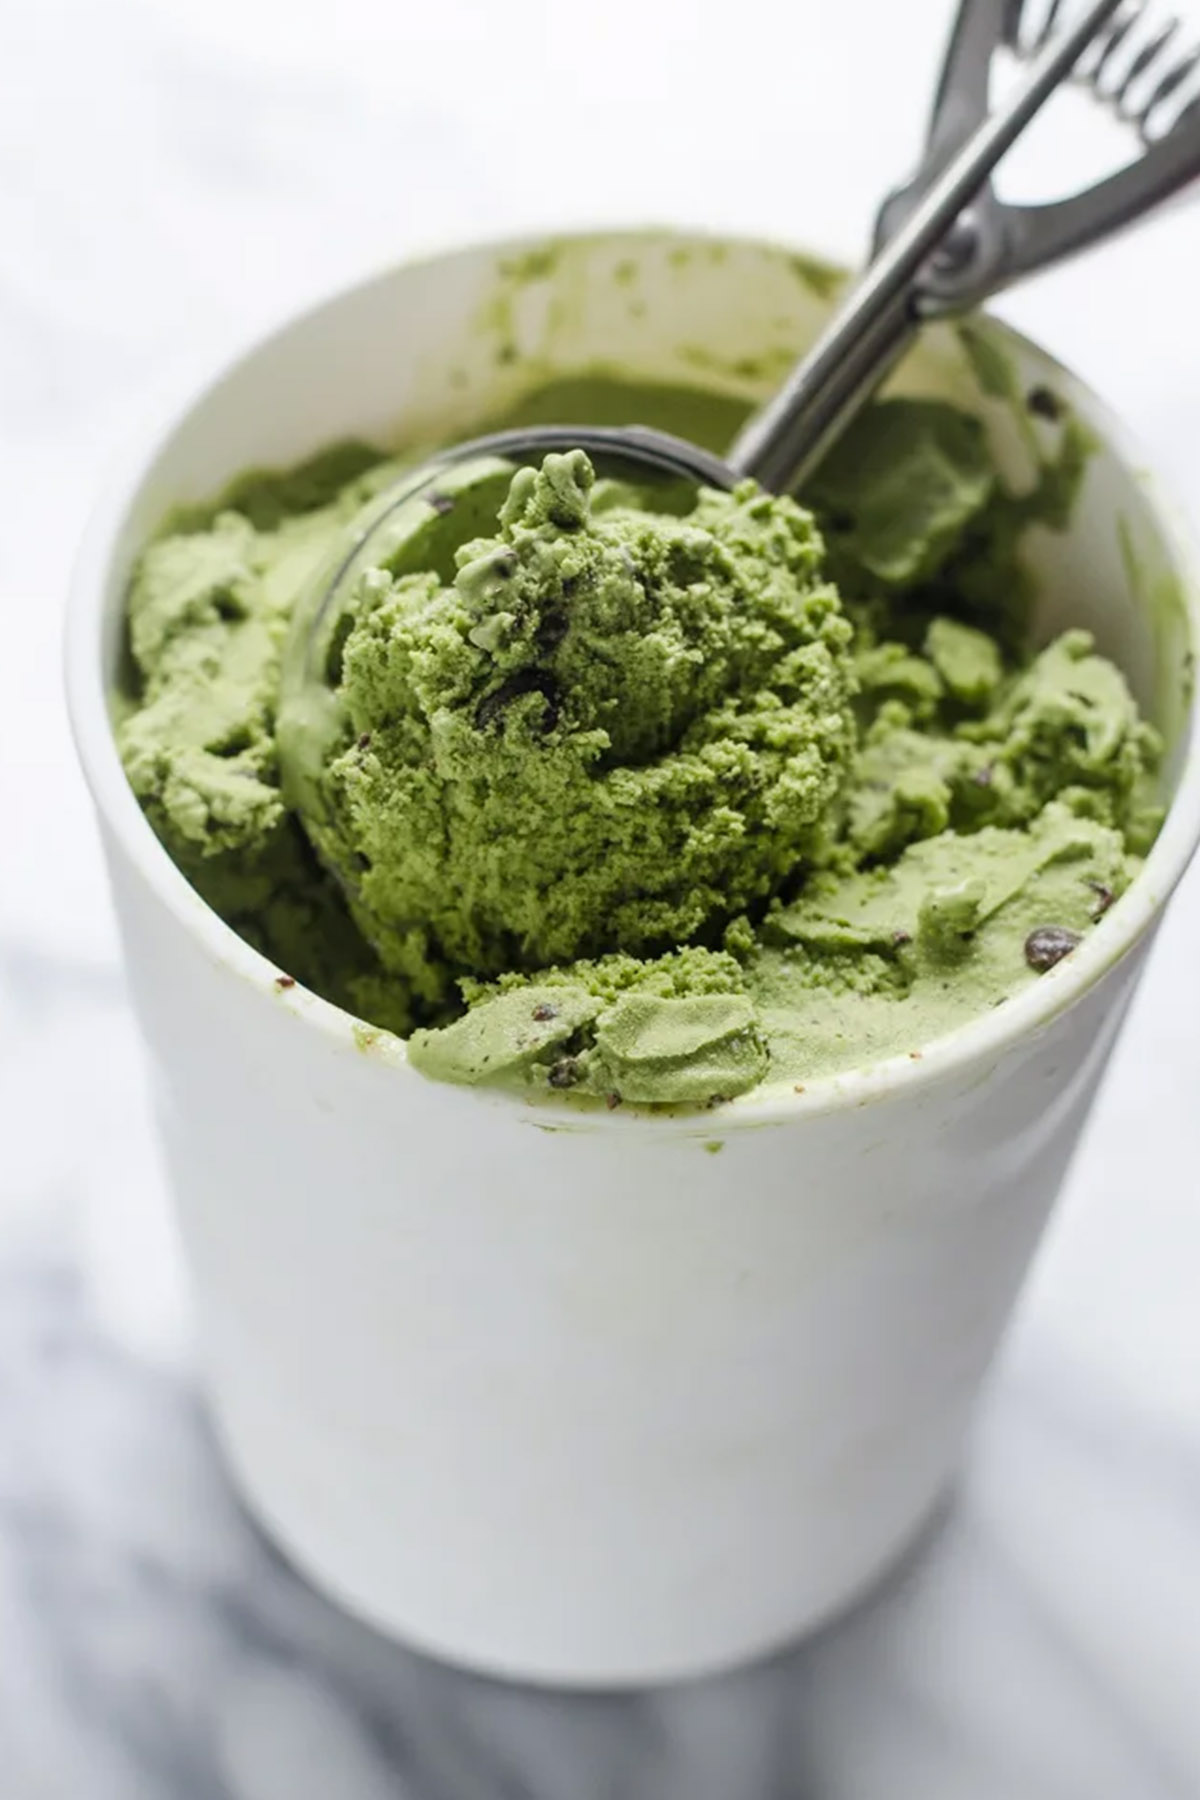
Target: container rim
pixel 968 1048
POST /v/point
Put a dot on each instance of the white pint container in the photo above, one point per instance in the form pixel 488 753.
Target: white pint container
pixel 602 1398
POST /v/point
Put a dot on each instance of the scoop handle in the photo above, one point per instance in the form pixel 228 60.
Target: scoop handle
pixel 783 442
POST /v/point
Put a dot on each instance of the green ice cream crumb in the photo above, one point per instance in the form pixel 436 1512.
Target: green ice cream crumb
pixel 1070 726
pixel 623 805
pixel 967 661
pixel 695 1050
pixel 680 1029
pixel 900 487
pixel 948 916
pixel 527 1028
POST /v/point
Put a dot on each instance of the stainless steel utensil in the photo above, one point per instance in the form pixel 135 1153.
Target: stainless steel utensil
pixel 943 242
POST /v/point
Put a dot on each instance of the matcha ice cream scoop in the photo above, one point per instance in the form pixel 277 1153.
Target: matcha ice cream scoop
pixel 599 724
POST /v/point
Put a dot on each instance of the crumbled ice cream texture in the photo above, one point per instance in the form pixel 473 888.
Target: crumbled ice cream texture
pixel 613 728
pixel 625 801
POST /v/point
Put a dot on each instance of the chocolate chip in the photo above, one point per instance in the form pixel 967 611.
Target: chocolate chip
pixel 525 681
pixel 565 1073
pixel 551 629
pixel 364 740
pixel 1047 945
pixel 1044 403
pixel 543 1012
pixel 441 503
pixel 283 982
pixel 1104 898
pixel 612 1101
pixel 900 938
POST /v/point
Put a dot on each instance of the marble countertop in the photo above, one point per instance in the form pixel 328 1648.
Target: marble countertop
pixel 171 175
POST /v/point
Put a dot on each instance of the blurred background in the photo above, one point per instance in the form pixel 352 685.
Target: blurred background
pixel 174 174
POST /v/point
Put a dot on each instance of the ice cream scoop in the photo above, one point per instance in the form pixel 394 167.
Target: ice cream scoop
pixel 617 712
pixel 934 257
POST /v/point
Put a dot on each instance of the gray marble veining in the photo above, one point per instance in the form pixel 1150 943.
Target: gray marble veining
pixel 153 1644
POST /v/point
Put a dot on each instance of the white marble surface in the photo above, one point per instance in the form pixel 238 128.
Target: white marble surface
pixel 171 173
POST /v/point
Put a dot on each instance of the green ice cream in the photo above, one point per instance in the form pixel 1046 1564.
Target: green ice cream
pixel 208 612
pixel 613 795
pixel 609 727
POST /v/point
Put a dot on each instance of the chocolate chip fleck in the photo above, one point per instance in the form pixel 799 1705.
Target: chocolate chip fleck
pixel 565 1073
pixel 1044 403
pixel 1047 945
pixel 551 629
pixel 1104 898
pixel 543 1012
pixel 364 740
pixel 283 982
pixel 612 1101
pixel 525 681
pixel 900 938
pixel 441 503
